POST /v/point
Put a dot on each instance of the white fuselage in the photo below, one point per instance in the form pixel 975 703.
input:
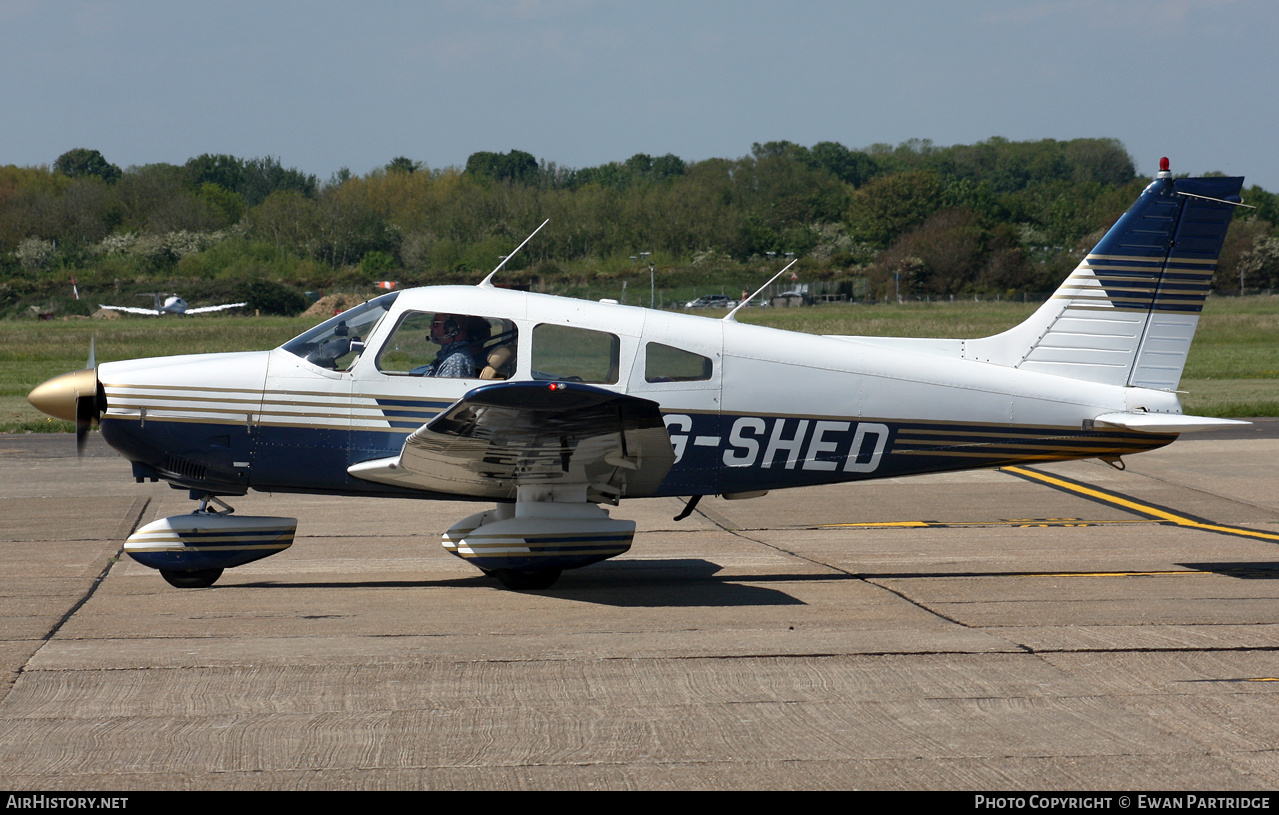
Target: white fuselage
pixel 774 409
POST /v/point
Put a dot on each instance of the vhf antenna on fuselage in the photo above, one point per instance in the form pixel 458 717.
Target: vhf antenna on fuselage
pixel 729 316
pixel 487 282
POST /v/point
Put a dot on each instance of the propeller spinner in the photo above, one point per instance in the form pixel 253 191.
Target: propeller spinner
pixel 76 397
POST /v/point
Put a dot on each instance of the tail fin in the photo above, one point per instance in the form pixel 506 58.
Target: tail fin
pixel 1128 312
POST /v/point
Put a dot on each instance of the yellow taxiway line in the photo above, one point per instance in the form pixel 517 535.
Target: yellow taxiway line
pixel 1152 513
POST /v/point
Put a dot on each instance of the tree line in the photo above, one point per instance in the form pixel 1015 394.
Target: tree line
pixel 993 218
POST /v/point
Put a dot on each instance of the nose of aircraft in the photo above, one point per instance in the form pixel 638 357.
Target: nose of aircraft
pixel 59 396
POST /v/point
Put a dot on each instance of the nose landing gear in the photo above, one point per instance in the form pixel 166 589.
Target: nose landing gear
pixel 191 551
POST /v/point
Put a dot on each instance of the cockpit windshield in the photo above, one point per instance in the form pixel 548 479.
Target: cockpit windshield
pixel 338 342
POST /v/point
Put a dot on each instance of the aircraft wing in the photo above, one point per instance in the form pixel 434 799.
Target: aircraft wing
pixel 207 309
pixel 496 438
pixel 150 312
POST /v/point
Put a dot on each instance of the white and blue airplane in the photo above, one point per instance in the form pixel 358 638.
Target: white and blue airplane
pixel 557 405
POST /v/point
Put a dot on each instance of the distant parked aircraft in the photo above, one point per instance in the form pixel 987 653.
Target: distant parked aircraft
pixel 171 304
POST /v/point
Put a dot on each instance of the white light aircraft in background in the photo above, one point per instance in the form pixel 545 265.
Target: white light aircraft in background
pixel 560 405
pixel 171 304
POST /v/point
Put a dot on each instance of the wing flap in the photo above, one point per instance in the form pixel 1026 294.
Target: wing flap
pixel 500 437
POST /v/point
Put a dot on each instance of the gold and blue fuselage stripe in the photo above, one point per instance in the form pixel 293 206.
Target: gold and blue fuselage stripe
pixel 294 409
pixel 746 453
pixel 310 445
pixel 719 453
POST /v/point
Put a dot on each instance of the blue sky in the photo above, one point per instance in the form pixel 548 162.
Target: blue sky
pixel 324 85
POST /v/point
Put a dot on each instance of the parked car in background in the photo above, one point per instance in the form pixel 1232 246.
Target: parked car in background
pixel 711 301
pixel 792 298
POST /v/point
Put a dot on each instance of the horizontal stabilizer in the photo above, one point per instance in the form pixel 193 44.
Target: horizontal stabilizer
pixel 498 438
pixel 1165 422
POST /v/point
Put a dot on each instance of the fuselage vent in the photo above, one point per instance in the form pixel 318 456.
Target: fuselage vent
pixel 182 467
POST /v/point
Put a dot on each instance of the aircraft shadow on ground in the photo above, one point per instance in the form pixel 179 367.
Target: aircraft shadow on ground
pixel 1257 570
pixel 628 583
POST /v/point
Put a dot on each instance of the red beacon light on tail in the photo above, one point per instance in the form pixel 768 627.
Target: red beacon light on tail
pixel 1164 171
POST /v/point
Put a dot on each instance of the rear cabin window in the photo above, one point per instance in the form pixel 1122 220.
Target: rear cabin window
pixel 455 346
pixel 575 354
pixel 663 363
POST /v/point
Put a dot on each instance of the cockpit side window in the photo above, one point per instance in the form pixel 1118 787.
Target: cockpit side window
pixel 664 363
pixel 337 343
pixel 450 346
pixel 575 354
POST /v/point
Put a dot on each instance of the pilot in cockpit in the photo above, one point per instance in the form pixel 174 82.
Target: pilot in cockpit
pixel 456 359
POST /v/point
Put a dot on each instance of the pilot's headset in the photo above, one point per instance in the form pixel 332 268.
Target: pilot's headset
pixel 451 328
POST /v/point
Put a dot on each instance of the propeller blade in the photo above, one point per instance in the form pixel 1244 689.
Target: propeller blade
pixel 86 410
pixel 93 358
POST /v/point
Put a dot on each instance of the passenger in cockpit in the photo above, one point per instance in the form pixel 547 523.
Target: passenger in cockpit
pixel 478 333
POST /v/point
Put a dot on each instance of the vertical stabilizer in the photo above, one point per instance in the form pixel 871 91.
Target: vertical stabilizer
pixel 1128 312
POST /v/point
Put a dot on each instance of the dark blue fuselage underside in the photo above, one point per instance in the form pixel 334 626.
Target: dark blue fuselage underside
pixel 718 453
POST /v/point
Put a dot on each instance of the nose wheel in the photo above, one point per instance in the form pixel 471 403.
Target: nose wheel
pixel 531 580
pixel 191 579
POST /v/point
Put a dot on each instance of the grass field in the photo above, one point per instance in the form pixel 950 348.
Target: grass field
pixel 1233 368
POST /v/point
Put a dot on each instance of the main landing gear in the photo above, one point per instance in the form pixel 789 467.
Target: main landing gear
pixel 527 544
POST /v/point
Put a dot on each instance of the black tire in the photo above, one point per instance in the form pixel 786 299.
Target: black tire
pixel 194 579
pixel 532 580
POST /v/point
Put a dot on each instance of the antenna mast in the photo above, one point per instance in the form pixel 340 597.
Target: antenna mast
pixel 732 319
pixel 487 283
